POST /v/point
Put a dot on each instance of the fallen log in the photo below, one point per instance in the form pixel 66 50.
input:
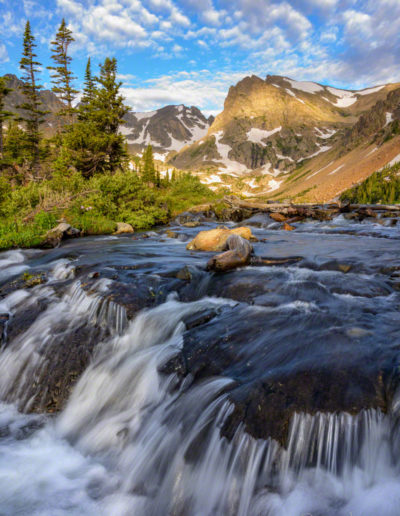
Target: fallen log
pixel 291 209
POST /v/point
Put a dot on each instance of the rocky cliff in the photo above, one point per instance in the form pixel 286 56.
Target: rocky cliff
pixel 270 128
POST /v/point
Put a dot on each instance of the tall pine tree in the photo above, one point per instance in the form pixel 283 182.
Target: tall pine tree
pixel 33 116
pixel 89 91
pixel 149 171
pixel 107 111
pixel 62 76
pixel 4 115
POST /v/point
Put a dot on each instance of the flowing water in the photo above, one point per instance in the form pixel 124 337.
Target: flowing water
pixel 267 391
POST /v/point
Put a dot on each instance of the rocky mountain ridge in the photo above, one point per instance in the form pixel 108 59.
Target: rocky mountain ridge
pixel 270 128
pixel 168 129
pixel 50 103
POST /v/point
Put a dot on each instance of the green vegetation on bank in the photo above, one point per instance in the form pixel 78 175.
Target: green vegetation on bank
pixel 84 174
pixel 92 205
pixel 381 187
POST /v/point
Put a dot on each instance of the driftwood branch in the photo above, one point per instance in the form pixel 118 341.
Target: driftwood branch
pixel 56 204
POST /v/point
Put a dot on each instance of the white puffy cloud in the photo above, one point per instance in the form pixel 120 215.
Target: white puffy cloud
pixel 3 54
pixel 203 89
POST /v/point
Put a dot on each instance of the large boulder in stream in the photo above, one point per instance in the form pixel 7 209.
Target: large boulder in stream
pixel 238 255
pixel 54 236
pixel 123 227
pixel 216 239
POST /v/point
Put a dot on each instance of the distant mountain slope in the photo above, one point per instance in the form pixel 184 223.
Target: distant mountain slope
pixel 168 129
pixel 372 143
pixel 49 100
pixel 270 128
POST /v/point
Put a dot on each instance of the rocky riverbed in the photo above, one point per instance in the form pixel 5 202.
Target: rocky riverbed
pixel 170 387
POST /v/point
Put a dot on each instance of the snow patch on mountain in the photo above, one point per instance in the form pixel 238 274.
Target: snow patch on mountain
pixel 344 98
pixel 294 95
pixel 141 116
pixel 256 135
pixel 368 91
pixel 336 170
pixel 325 134
pixel 389 118
pixel 307 87
pixel 274 185
pixel 231 166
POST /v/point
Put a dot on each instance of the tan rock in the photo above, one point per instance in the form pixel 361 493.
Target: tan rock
pixel 278 217
pixel 123 227
pixel 215 239
pixel 288 227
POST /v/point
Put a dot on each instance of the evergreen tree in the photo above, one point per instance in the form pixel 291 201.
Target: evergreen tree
pixel 149 172
pixel 89 91
pixel 62 76
pixel 4 115
pixel 108 111
pixel 33 117
pixel 93 144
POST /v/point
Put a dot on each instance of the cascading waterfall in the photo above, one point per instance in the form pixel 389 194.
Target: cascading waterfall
pixel 160 442
pixel 25 363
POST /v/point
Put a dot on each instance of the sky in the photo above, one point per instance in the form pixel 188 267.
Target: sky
pixel 191 51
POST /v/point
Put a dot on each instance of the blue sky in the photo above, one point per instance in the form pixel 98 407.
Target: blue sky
pixel 191 51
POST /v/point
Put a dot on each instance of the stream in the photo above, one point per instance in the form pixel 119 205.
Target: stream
pixel 134 382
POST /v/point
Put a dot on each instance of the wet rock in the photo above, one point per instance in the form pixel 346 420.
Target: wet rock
pixel 172 234
pixel 184 274
pixel 123 227
pixel 344 267
pixel 54 236
pixel 238 255
pixel 216 239
pixel 189 217
pixel 233 214
pixel 192 224
pixel 264 260
pixel 197 319
pixel 4 318
pixel 278 371
pixel 351 216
